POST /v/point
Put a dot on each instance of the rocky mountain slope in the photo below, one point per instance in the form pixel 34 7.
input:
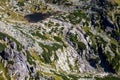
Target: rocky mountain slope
pixel 59 39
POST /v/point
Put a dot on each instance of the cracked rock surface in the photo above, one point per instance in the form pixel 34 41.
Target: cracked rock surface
pixel 59 39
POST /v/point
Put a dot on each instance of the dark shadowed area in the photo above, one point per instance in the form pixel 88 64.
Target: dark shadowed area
pixel 104 62
pixel 35 17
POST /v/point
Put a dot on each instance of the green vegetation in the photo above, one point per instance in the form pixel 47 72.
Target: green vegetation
pixel 88 31
pixel 54 29
pixel 30 59
pixel 1 77
pixel 96 39
pixel 20 3
pixel 73 77
pixel 69 64
pixel 76 16
pixel 80 46
pixel 50 23
pixel 59 39
pixel 116 33
pixel 109 56
pixel 11 62
pixel 26 35
pixel 4 73
pixel 10 37
pixel 57 24
pixel 56 46
pixel 108 78
pixel 73 38
pixel 116 63
pixel 100 40
pixel 113 47
pixel 39 35
pixel 66 77
pixel 59 2
pixel 36 76
pixel 49 50
pixel 114 60
pixel 2 47
pixel 77 64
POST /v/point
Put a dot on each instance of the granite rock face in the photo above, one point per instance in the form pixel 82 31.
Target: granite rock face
pixel 59 39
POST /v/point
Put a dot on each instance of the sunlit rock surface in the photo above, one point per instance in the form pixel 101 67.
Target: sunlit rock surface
pixel 59 39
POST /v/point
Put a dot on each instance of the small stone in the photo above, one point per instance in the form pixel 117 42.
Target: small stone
pixel 13 45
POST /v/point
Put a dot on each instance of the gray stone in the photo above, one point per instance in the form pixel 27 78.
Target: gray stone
pixel 13 45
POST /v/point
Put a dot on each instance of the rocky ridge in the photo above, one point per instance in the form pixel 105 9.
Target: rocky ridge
pixel 82 40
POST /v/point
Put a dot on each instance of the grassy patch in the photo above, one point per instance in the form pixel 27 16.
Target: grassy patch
pixel 116 63
pixel 87 30
pixel 2 47
pixel 39 35
pixel 76 16
pixel 100 40
pixel 26 35
pixel 66 77
pixel 73 77
pixel 11 62
pixel 108 78
pixel 58 39
pixel 62 75
pixel 50 23
pixel 30 59
pixel 80 46
pixel 73 37
pixel 10 37
pixel 20 3
pixel 49 50
pixel 4 75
